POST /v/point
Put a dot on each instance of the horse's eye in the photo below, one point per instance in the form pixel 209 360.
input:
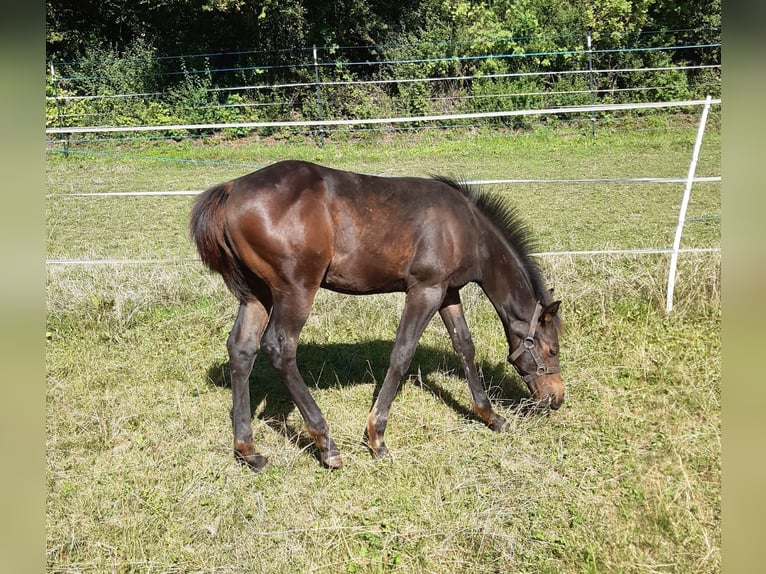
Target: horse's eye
pixel 553 352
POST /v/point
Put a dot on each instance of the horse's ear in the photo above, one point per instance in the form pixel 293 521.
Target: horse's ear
pixel 552 308
pixel 549 311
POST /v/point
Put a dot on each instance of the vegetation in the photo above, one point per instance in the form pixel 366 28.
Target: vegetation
pixel 186 61
pixel 624 478
pixel 231 26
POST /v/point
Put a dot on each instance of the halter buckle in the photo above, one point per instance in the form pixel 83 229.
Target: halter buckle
pixel 529 343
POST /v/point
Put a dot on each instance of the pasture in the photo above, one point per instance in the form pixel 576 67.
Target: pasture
pixel 625 477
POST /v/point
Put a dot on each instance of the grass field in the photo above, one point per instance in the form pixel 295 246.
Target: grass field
pixel 624 478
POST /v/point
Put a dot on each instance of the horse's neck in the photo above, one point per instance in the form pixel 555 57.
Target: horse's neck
pixel 508 287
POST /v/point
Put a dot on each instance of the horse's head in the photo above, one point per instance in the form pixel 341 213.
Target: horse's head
pixel 536 355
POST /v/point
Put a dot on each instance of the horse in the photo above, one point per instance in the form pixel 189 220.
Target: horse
pixel 279 234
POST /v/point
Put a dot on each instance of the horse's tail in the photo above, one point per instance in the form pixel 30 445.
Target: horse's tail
pixel 208 231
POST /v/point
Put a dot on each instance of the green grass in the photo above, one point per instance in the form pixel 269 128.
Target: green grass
pixel 624 478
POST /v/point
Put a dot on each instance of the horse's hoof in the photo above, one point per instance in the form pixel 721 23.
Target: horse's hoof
pixel 255 462
pixel 498 423
pixel 380 452
pixel 332 461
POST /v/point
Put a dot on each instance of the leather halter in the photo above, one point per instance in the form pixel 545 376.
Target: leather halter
pixel 528 345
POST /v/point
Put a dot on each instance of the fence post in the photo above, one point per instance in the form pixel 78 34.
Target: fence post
pixel 590 84
pixel 320 115
pixel 684 205
pixel 59 119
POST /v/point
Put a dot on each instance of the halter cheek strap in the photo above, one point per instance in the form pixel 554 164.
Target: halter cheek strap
pixel 528 345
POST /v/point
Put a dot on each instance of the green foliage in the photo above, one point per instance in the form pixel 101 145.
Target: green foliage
pixel 494 96
pixel 270 43
pixel 192 98
pixel 103 70
pixel 107 87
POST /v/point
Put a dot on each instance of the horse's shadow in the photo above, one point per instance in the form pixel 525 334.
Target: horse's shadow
pixel 330 365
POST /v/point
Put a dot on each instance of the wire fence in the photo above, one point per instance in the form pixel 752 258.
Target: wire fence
pixel 335 90
pixel 324 98
pixel 380 120
pixel 689 181
pixel 574 253
pixel 479 182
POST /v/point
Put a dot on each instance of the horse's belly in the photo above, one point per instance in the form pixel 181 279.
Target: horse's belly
pixel 365 274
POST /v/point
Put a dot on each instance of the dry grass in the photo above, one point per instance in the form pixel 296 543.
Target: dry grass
pixel 141 478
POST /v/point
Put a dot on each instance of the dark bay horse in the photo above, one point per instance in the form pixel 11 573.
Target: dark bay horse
pixel 280 233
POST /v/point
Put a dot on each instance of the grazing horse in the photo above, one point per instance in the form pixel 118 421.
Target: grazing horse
pixel 280 233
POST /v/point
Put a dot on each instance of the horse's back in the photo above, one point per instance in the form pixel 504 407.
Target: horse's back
pixel 354 233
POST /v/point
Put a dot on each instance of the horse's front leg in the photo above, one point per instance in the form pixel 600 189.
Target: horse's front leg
pixel 420 306
pixel 454 320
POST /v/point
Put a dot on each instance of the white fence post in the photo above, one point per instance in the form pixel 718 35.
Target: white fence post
pixel 591 83
pixel 684 205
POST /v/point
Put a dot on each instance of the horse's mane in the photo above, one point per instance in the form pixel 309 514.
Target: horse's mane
pixel 505 218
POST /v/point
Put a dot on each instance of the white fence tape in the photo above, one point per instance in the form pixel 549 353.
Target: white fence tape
pixel 715 178
pixel 374 121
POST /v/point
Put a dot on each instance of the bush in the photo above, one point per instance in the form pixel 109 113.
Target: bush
pixel 107 87
pixel 134 86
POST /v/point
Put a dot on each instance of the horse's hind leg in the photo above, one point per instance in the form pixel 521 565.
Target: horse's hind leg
pixel 452 314
pixel 280 343
pixel 242 345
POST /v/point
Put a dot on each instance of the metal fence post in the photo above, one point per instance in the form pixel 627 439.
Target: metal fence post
pixel 590 83
pixel 684 205
pixel 320 114
pixel 59 118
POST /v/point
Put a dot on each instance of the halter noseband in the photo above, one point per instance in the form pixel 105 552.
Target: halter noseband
pixel 528 345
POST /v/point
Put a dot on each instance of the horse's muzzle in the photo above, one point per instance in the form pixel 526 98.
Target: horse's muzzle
pixel 556 401
pixel 547 391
